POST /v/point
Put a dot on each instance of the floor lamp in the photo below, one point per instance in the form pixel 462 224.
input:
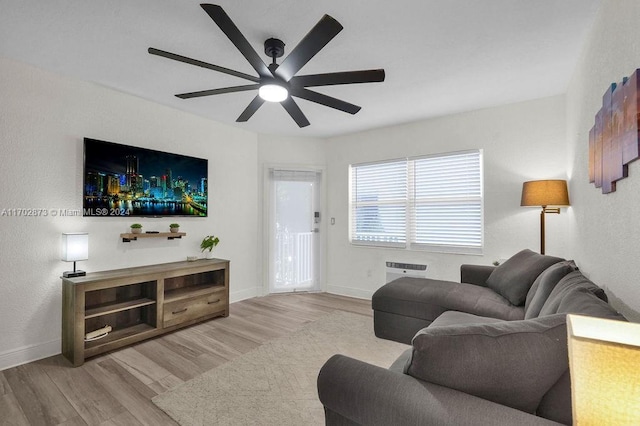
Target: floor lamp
pixel 545 193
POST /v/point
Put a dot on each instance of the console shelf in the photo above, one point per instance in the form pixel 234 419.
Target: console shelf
pixel 140 303
pixel 112 308
pixel 102 345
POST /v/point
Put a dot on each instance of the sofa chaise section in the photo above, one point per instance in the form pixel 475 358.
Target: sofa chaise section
pixel 406 305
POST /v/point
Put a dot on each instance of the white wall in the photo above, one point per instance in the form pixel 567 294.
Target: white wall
pixel 521 142
pixel 274 149
pixel 606 229
pixel 43 119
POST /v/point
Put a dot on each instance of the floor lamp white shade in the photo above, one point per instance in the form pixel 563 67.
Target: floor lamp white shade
pixel 604 362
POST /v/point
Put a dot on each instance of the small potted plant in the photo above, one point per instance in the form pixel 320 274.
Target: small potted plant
pixel 136 228
pixel 174 227
pixel 207 244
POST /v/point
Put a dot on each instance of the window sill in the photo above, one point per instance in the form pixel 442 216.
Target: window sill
pixel 473 251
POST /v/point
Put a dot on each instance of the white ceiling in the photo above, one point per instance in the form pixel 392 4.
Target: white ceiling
pixel 440 56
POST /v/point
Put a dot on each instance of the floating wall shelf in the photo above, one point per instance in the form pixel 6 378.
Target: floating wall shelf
pixel 168 235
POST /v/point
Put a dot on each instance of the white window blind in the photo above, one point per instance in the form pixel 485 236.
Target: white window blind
pixel 294 175
pixel 447 201
pixel 433 203
pixel 379 203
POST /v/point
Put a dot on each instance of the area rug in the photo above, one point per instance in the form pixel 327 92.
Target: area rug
pixel 275 384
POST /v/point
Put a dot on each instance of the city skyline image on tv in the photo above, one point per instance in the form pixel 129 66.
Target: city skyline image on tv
pixel 123 180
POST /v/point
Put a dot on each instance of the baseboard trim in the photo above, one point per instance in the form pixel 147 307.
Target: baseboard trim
pixel 349 291
pixel 30 353
pixel 236 296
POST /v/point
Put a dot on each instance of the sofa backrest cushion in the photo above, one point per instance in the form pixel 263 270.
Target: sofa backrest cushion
pixel 580 300
pixel 543 285
pixel 571 281
pixel 513 279
pixel 512 363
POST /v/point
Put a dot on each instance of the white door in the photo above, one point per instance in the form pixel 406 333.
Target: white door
pixel 294 241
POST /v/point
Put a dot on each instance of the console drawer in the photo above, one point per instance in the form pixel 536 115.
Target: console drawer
pixel 192 308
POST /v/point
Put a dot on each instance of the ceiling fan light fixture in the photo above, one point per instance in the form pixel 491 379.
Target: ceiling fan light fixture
pixel 273 92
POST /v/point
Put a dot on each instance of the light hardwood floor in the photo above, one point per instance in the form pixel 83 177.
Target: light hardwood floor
pixel 116 388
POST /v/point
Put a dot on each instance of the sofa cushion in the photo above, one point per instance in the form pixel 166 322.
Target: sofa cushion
pixel 580 300
pixel 461 318
pixel 543 285
pixel 476 274
pixel 426 299
pixel 570 281
pixel 512 363
pixel 514 278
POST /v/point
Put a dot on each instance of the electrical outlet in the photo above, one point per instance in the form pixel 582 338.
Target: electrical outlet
pixel 333 220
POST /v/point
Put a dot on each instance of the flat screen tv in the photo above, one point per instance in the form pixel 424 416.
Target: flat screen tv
pixel 122 180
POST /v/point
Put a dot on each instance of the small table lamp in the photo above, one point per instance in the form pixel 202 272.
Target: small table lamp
pixel 604 361
pixel 544 193
pixel 75 246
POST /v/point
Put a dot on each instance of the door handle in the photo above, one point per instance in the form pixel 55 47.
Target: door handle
pixel 315 230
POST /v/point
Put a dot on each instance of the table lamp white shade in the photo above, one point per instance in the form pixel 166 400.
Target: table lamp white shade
pixel 604 362
pixel 75 246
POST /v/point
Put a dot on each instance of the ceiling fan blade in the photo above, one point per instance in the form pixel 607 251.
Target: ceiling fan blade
pixel 218 91
pixel 198 63
pixel 348 77
pixel 250 109
pixel 324 31
pixel 295 112
pixel 325 100
pixel 227 26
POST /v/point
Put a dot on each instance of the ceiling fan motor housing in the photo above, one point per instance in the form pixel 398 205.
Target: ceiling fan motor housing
pixel 274 48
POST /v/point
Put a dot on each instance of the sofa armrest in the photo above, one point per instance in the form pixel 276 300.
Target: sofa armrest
pixel 475 274
pixel 359 393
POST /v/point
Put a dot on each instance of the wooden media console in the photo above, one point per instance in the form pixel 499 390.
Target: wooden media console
pixel 139 303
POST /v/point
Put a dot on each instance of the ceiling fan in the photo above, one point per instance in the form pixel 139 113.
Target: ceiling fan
pixel 278 82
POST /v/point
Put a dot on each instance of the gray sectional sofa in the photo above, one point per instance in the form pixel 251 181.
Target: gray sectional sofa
pixel 490 350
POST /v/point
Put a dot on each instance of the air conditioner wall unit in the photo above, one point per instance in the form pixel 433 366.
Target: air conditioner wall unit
pixel 397 270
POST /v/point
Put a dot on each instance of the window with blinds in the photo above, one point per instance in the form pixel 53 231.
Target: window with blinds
pixel 433 203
